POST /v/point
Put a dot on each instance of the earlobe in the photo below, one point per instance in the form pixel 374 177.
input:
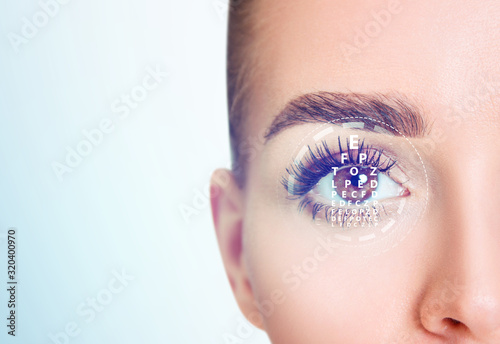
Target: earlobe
pixel 228 213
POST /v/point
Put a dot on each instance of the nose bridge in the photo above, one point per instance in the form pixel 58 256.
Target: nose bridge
pixel 464 295
pixel 470 200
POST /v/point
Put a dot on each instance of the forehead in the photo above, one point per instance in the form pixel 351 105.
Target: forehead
pixel 438 52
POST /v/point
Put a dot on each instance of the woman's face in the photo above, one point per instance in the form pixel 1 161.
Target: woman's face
pixel 421 266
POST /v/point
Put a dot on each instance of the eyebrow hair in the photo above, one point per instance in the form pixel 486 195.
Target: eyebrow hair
pixel 389 114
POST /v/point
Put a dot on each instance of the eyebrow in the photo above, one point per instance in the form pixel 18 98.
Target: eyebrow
pixel 388 114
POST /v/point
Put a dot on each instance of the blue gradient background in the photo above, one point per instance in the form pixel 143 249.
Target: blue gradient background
pixel 119 209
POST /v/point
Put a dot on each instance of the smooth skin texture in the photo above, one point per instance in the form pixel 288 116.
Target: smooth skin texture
pixel 441 283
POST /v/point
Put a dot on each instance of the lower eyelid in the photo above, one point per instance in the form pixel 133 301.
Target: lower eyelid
pixel 324 208
pixel 340 215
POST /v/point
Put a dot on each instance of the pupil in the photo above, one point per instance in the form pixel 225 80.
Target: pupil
pixel 354 192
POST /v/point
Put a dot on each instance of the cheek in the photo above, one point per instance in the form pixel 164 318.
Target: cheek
pixel 310 293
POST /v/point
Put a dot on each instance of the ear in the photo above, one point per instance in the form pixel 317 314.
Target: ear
pixel 228 212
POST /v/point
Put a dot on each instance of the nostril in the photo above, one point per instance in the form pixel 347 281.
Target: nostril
pixel 450 322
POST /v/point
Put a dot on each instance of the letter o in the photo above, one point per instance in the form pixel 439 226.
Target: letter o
pixel 44 19
pixel 81 145
pixel 139 93
pixel 256 319
pixel 373 25
pixel 310 264
pixel 105 297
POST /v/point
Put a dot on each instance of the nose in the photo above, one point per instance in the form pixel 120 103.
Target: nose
pixel 460 310
pixel 461 301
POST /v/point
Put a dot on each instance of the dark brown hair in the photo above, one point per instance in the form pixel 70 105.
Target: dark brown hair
pixel 239 73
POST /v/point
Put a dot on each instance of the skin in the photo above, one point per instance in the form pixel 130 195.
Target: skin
pixel 438 284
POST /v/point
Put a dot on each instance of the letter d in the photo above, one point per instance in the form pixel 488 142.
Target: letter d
pixel 200 201
pixel 244 330
pixel 72 158
pixel 51 7
pixel 361 40
pixel 28 30
pixel 95 136
pixel 266 308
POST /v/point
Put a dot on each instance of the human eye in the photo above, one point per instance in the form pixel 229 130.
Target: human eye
pixel 344 183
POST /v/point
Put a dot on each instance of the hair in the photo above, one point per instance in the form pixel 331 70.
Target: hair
pixel 240 62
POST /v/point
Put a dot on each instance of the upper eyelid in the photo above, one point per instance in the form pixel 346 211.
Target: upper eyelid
pixel 307 179
pixel 324 151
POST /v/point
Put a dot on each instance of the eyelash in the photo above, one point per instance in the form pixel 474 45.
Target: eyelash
pixel 318 163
